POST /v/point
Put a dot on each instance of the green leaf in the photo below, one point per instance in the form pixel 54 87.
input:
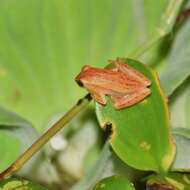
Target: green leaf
pixel 174 79
pixel 182 160
pixel 140 134
pixel 180 122
pixel 180 106
pixel 18 127
pixel 181 131
pixel 13 183
pixel 9 149
pixel 44 44
pixel 113 183
pixel 177 68
pixel 16 134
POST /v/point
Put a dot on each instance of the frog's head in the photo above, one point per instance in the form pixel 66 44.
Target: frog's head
pixel 85 68
pixel 82 75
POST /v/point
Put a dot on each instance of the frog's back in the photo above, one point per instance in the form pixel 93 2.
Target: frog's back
pixel 110 79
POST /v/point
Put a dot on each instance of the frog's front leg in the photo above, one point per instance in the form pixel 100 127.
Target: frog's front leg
pixel 130 71
pixel 130 99
pixel 97 93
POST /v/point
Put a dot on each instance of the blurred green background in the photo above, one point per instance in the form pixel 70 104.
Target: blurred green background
pixel 44 44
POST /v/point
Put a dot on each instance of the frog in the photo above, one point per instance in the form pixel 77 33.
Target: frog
pixel 125 85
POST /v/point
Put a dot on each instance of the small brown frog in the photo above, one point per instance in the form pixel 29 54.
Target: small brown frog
pixel 125 85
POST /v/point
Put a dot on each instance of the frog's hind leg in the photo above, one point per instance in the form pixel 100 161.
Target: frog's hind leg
pixel 130 71
pixel 97 93
pixel 127 100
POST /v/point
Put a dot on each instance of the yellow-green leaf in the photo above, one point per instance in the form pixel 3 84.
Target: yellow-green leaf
pixel 22 184
pixel 141 135
pixel 114 183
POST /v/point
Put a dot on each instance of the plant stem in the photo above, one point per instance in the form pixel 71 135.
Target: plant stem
pixel 36 146
pixel 143 48
pixel 165 26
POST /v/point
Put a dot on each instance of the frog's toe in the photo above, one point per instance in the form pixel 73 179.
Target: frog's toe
pixel 100 98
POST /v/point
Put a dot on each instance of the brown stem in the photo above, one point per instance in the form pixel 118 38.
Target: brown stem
pixel 36 146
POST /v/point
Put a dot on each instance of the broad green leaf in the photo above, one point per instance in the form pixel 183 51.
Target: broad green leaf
pixel 140 134
pixel 44 44
pixel 13 183
pixel 16 134
pixel 113 183
pixel 177 68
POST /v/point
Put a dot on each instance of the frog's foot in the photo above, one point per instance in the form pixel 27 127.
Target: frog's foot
pixel 97 93
pixel 127 100
pixel 100 98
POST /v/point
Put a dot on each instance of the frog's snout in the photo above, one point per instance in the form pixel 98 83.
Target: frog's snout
pixel 82 75
pixel 78 80
pixel 79 83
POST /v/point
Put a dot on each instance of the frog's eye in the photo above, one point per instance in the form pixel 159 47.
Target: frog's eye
pixel 80 83
pixel 78 80
pixel 86 67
